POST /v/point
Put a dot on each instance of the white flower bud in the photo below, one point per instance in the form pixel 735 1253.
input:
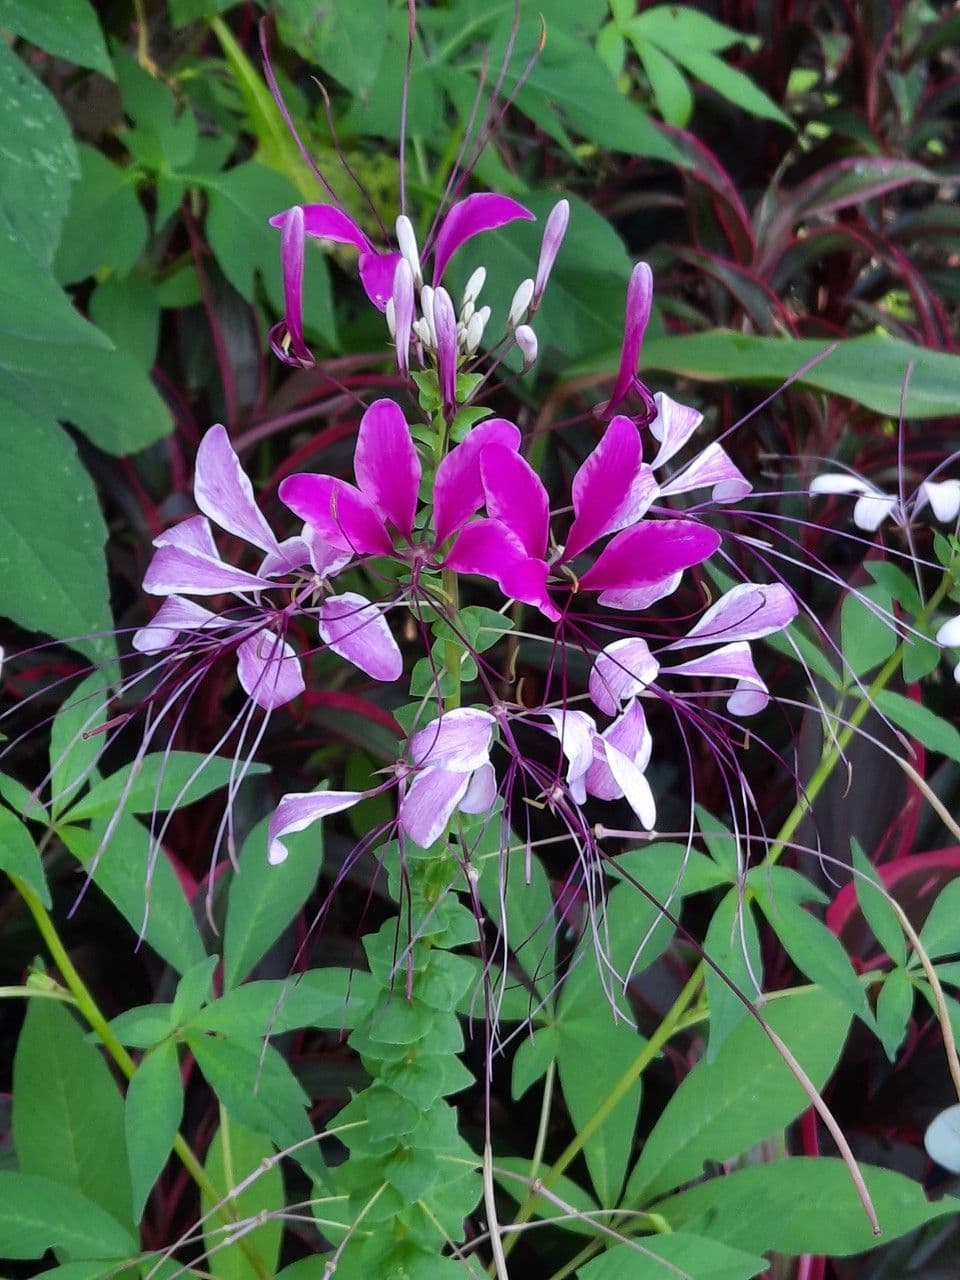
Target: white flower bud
pixel 521 301
pixel 422 330
pixel 390 315
pixel 407 241
pixel 466 315
pixel 527 342
pixel 476 282
pixel 474 332
pixel 426 307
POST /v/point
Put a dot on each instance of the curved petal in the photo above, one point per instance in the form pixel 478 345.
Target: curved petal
pixel 841 482
pixel 712 468
pixel 222 490
pixel 291 554
pixel 458 488
pixel 489 548
pixel 338 512
pixel 575 731
pixel 386 464
pixel 484 211
pixel 553 233
pixel 621 671
pixel 748 611
pixel 481 794
pixel 193 534
pixel 299 810
pixel 174 616
pixel 606 495
pixel 943 496
pixel 269 670
pixel 515 496
pixel 327 222
pixel 730 662
pixel 429 803
pixel 673 426
pixel 377 271
pixel 630 735
pixel 291 342
pixel 174 571
pixel 648 552
pixel 459 739
pixel 357 630
pixel 870 511
pixel 637 317
pixel 445 325
pixel 633 786
pixel 641 597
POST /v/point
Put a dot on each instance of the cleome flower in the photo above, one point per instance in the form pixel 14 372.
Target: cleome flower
pixel 187 563
pixel 873 506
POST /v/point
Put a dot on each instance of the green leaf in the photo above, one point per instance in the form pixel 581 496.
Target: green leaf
pixel 866 638
pixel 67 1111
pixel 264 899
pixel 687 869
pixel 729 83
pixel 74 751
pixel 38 1213
pixel 940 935
pixel 697 1256
pixel 66 28
pixel 564 1187
pixel 19 856
pixel 337 998
pixel 804 1205
pixel 532 1059
pixel 670 24
pixel 162 781
pixel 38 161
pixel 104 196
pixel 896 583
pixel 722 845
pixel 933 732
pixel 733 944
pixel 36 308
pixel 259 1090
pixel 877 911
pixel 867 370
pixel 143 1027
pixel 152 1115
pixel 193 991
pixel 234 1154
pixel 894 1006
pixel 241 202
pixel 745 1096
pixel 127 310
pixel 163 137
pixel 669 86
pixel 346 40
pixel 150 899
pixel 52 573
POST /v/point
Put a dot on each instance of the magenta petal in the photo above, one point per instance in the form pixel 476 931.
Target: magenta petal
pixel 673 426
pixel 621 671
pixel 730 662
pixel 489 548
pixel 553 234
pixel 357 630
pixel 481 794
pixel 458 488
pixel 174 616
pixel 377 271
pixel 386 464
pixel 269 670
pixel 445 324
pixel 459 739
pixel 648 552
pixel 745 612
pixel 173 571
pixel 301 809
pixel 429 804
pixel 326 222
pixel 604 485
pixel 639 304
pixel 338 512
pixel 516 497
pixel 711 469
pixel 223 491
pixel 641 597
pixel 484 211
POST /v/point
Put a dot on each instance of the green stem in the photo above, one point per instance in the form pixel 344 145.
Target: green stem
pixel 90 1011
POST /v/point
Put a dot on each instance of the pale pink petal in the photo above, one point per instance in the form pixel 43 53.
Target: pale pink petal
pixel 223 491
pixel 943 496
pixel 485 211
pixel 429 803
pixel 386 464
pixel 515 496
pixel 445 324
pixel 633 786
pixel 327 222
pixel 325 558
pixel 673 426
pixel 174 616
pixel 730 662
pixel 338 512
pixel 458 487
pixel 299 810
pixel 489 548
pixel 604 487
pixel 377 271
pixel 459 739
pixel 193 534
pixel 624 669
pixel 269 670
pixel 481 794
pixel 173 571
pixel 713 469
pixel 641 597
pixel 630 735
pixel 553 233
pixel 576 732
pixel 648 552
pixel 745 612
pixel 639 304
pixel 357 630
pixel 291 554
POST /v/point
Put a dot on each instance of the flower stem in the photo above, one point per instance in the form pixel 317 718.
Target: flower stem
pixel 90 1011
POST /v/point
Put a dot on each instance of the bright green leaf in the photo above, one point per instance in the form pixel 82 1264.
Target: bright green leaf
pixel 933 732
pixel 234 1154
pixel 162 781
pixel 74 750
pixel 19 856
pixel 867 639
pixel 40 1213
pixel 940 935
pixel 697 1256
pixel 105 195
pixel 152 1114
pixel 66 28
pixel 894 1006
pixel 877 911
pixel 733 944
pixel 127 310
